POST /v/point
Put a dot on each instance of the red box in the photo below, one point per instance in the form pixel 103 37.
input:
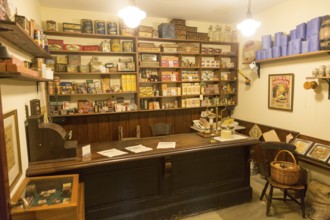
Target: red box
pixel 72 47
pixel 55 45
pixel 91 48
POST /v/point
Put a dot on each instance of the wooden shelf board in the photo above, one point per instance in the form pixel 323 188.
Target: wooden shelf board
pixel 86 35
pixel 323 77
pixel 91 114
pixel 21 76
pixel 321 52
pixel 88 94
pixel 93 53
pixel 21 39
pixel 93 73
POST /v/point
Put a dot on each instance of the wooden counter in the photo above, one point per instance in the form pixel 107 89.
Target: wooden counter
pixel 194 177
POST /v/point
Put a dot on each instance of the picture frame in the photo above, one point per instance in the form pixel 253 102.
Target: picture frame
pixel 302 146
pixel 14 164
pixel 319 152
pixel 280 91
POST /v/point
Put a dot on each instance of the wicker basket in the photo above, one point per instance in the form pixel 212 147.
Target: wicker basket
pixel 285 172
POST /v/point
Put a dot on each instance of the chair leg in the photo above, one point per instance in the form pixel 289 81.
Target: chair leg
pixel 264 191
pixel 269 200
pixel 285 193
pixel 302 204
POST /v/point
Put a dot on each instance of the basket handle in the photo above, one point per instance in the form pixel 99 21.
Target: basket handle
pixel 281 151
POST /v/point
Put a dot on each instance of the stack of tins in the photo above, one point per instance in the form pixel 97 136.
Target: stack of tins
pixel 325 33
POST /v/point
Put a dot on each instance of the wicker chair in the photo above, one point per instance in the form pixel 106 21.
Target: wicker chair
pixel 269 150
pixel 160 128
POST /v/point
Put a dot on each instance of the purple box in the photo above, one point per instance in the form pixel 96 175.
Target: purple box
pixel 301 31
pixel 305 46
pixel 313 26
pixel 277 41
pixel 258 55
pixel 276 52
pixel 314 42
pixel 262 54
pixel 266 41
pixel 269 53
pixel 296 46
pixel 285 40
pixel 290 48
pixel 284 50
pixel 293 34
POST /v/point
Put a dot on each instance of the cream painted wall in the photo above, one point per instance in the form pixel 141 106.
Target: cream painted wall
pixel 16 94
pixel 311 108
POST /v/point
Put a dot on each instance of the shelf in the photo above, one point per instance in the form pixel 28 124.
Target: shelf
pixel 21 76
pixel 91 114
pixel 93 73
pixel 155 97
pixel 85 35
pixel 93 94
pixel 98 53
pixel 21 39
pixel 166 40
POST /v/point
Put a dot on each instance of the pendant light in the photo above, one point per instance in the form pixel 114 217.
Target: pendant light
pixel 249 25
pixel 131 15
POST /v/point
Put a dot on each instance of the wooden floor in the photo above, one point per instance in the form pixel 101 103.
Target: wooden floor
pixel 254 210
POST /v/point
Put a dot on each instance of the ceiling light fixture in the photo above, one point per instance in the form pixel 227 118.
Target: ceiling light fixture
pixel 131 15
pixel 249 25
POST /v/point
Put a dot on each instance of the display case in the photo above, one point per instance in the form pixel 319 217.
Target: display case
pixel 49 197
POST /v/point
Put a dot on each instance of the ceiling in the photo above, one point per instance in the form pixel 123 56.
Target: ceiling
pixel 222 11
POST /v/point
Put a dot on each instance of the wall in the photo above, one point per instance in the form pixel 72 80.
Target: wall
pixel 16 94
pixel 310 114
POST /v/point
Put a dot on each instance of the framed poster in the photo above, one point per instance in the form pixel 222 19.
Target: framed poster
pixel 319 152
pixel 302 146
pixel 280 91
pixel 12 148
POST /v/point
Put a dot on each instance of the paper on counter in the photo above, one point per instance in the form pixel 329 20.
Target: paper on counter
pixel 138 148
pixel 165 145
pixel 112 152
pixel 233 137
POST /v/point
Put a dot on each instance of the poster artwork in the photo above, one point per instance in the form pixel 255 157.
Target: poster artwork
pixel 281 90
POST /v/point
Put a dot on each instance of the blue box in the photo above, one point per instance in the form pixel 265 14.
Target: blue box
pixel 293 34
pixel 305 46
pixel 284 50
pixel 166 30
pixel 314 42
pixel 266 41
pixel 290 48
pixel 276 52
pixel 301 31
pixel 313 26
pixel 285 40
pixel 262 54
pixel 269 53
pixel 296 46
pixel 258 55
pixel 278 37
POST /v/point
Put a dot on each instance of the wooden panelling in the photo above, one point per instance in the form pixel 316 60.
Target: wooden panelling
pixel 101 128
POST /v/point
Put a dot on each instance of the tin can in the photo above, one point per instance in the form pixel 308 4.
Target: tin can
pixel 51 25
pixel 99 27
pixel 87 26
pixel 115 45
pixel 112 27
pixel 127 46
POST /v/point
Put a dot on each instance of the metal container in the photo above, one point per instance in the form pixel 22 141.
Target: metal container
pixel 87 26
pixel 115 45
pixel 99 27
pixel 112 27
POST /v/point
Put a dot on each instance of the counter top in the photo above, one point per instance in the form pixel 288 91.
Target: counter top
pixel 185 143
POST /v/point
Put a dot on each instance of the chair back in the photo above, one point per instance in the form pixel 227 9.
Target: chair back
pixel 269 151
pixel 160 129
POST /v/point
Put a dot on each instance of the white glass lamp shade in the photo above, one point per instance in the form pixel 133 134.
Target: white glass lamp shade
pixel 248 26
pixel 132 16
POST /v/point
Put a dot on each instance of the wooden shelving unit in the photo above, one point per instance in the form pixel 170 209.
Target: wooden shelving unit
pixel 21 76
pixel 12 32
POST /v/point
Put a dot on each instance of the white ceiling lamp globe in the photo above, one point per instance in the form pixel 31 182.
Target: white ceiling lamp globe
pixel 248 27
pixel 132 16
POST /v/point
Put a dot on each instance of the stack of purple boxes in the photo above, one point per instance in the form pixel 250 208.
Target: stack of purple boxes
pixel 304 38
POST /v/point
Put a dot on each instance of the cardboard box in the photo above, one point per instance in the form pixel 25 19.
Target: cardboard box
pixel 166 30
pixel 72 47
pixel 55 44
